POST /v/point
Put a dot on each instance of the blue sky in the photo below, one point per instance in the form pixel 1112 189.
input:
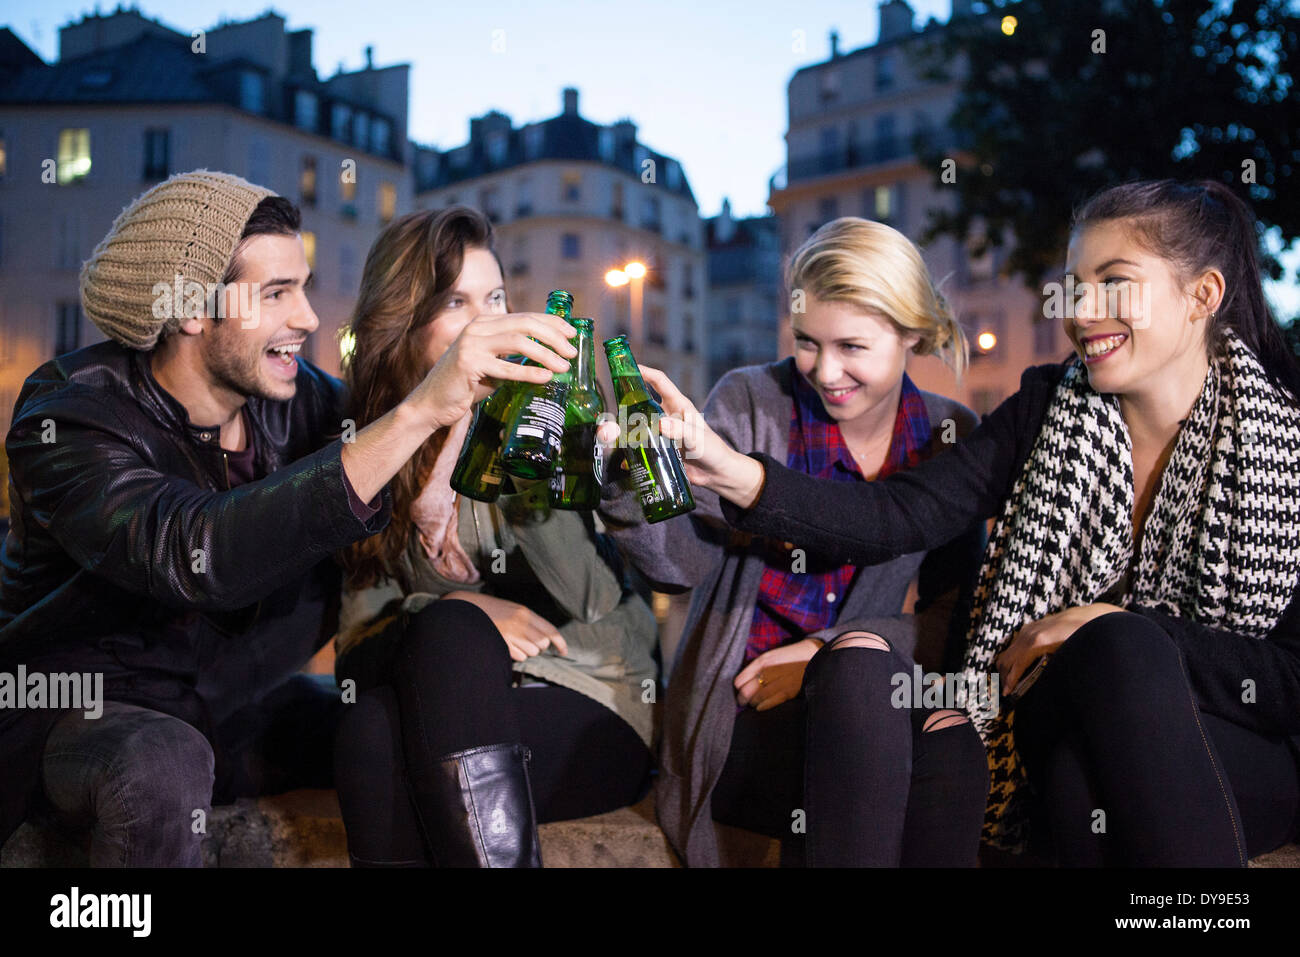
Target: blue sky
pixel 703 79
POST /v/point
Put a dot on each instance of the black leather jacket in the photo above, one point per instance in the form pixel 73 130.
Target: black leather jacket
pixel 128 552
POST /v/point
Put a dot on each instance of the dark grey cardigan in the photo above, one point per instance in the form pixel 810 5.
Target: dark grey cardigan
pixel 751 409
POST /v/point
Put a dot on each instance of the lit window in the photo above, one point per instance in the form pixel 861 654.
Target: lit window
pixel 309 247
pixel 572 187
pixel 387 202
pixel 307 181
pixel 883 205
pixel 74 156
pixel 4 157
pixel 348 186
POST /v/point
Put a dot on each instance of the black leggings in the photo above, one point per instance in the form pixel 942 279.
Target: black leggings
pixel 449 688
pixel 1128 771
pixel 874 788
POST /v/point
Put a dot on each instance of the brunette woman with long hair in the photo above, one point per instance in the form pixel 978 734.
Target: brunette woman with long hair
pixel 498 655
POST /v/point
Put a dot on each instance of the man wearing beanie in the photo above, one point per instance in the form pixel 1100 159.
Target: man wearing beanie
pixel 178 492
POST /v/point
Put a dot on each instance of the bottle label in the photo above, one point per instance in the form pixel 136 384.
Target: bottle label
pixel 598 463
pixel 542 418
pixel 648 490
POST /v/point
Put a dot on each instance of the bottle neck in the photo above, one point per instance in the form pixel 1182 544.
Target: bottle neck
pixel 628 384
pixel 584 372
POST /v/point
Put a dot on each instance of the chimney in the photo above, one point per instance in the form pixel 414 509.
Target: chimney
pixel 370 58
pixel 570 101
pixel 300 54
pixel 895 20
pixel 835 44
pixel 726 226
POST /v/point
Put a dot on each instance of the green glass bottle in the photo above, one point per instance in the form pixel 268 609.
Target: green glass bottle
pixel 654 462
pixel 536 422
pixel 579 471
pixel 478 473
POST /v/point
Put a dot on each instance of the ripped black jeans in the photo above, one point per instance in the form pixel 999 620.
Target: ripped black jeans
pixel 873 785
pixel 1128 771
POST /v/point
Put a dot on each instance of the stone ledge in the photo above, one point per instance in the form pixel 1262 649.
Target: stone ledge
pixel 304 829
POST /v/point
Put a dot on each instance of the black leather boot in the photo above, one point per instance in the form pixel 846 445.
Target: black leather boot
pixel 479 812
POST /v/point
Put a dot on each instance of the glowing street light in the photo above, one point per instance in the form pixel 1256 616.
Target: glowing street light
pixel 635 270
pixel 615 278
pixel 633 273
pixel 986 341
pixel 1009 25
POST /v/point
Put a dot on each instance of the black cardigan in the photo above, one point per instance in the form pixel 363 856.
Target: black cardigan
pixel 864 523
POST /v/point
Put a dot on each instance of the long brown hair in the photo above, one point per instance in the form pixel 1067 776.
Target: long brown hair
pixel 409 276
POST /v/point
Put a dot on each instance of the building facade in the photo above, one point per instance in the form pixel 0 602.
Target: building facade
pixel 853 120
pixel 744 290
pixel 571 200
pixel 130 102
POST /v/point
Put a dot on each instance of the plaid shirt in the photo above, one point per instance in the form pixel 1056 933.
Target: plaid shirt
pixel 793 605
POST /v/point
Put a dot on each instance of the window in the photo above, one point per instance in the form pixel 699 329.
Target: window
pixel 1044 334
pixel 67 327
pixel 688 280
pixel 309 247
pixel 731 313
pixel 519 263
pixel 884 72
pixel 605 144
pixel 830 139
pixel 534 141
pixel 828 208
pixel 360 129
pixel 304 110
pixel 572 187
pixel 347 262
pixel 387 202
pixel 884 206
pixel 74 156
pixel 571 246
pixel 307 181
pixel 380 134
pixel 340 120
pixel 523 196
pixel 68 255
pixel 497 145
pixel 252 91
pixel 348 190
pixel 650 214
pixel 674 174
pixel 886 148
pixel 157 154
pixel 4 157
pixel 656 326
pixel 830 85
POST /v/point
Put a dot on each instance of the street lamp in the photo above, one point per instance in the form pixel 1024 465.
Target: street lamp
pixel 632 273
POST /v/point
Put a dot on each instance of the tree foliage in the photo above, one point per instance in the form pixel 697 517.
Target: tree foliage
pixel 1083 96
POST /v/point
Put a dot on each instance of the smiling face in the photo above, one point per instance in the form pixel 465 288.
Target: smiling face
pixel 1134 325
pixel 479 289
pixel 273 271
pixel 854 358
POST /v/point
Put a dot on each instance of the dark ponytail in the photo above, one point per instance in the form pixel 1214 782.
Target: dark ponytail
pixel 1199 226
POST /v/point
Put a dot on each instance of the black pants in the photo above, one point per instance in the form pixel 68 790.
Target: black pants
pixel 449 688
pixel 872 788
pixel 1128 771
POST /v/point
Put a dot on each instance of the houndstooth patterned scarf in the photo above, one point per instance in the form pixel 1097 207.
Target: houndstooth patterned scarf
pixel 1221 543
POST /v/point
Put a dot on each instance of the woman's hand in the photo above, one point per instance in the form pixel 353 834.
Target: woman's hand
pixel 775 676
pixel 473 364
pixel 1043 637
pixel 709 461
pixel 526 633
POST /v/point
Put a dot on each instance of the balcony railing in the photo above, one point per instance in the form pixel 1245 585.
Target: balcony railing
pixel 861 155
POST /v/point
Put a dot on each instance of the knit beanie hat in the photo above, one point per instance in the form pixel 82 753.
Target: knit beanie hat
pixel 186 227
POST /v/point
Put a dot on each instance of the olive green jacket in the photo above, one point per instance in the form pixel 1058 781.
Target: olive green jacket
pixel 554 563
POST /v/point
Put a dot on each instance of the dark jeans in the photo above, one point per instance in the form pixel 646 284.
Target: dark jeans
pixel 876 789
pixel 450 687
pixel 1128 771
pixel 143 782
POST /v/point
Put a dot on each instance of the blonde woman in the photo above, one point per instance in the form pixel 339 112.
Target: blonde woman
pixel 762 729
